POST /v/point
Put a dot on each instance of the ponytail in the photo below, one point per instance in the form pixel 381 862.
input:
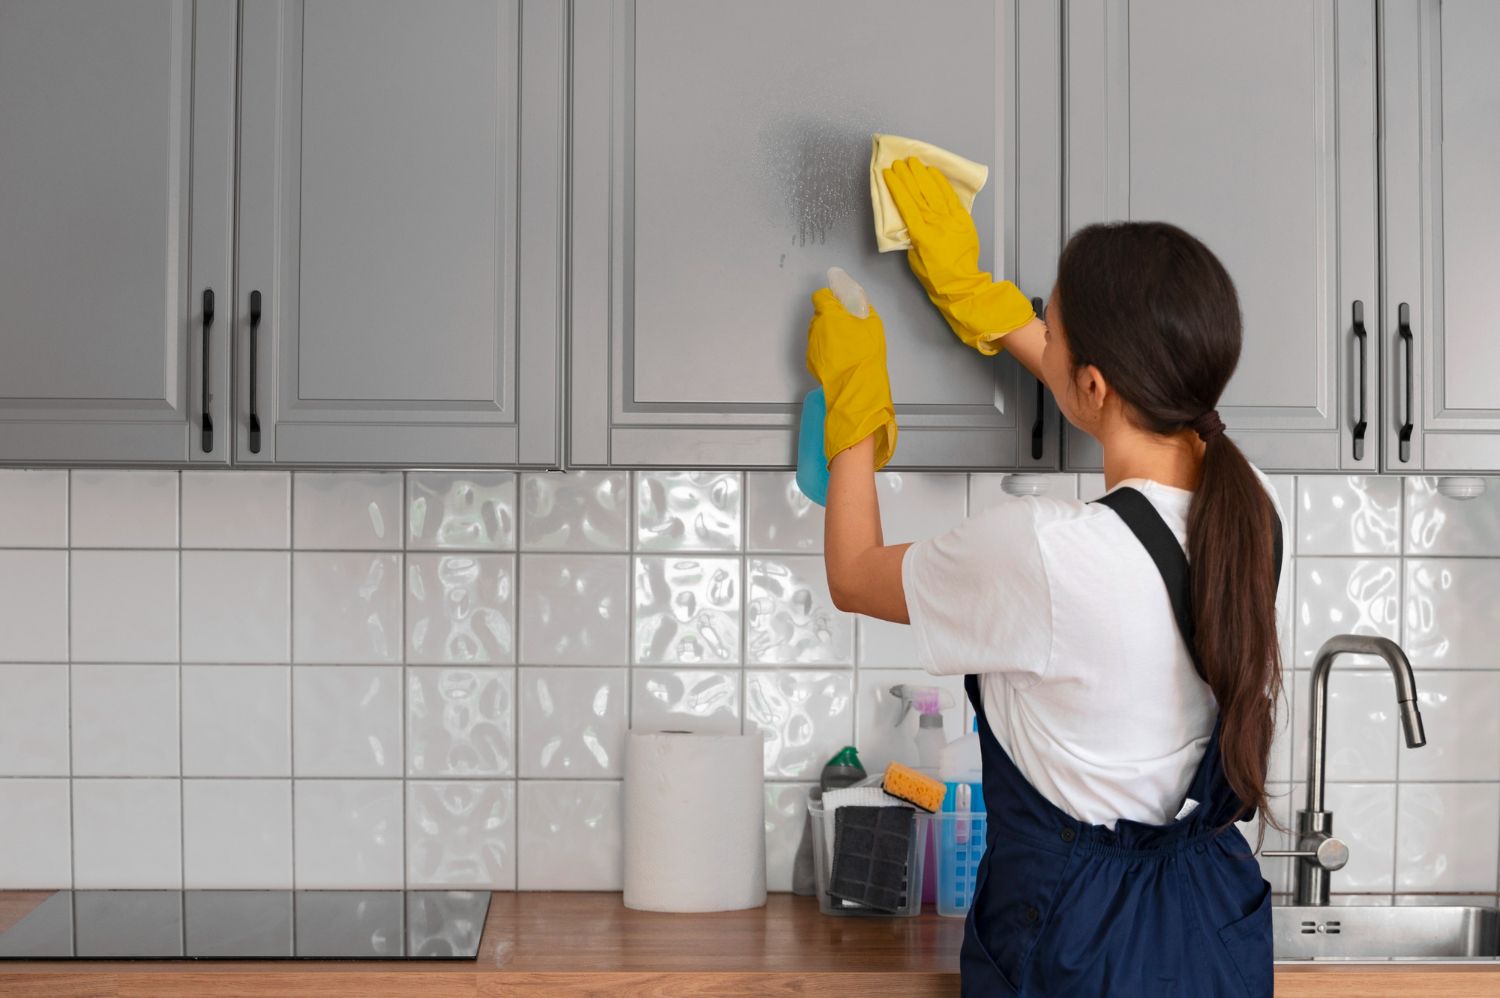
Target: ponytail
pixel 1154 310
pixel 1231 547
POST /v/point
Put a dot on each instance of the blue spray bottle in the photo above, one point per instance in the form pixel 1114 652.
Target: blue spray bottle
pixel 812 465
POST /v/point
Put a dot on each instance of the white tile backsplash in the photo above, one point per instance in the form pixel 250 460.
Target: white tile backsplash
pixel 346 607
pixel 778 517
pixel 236 720
pixel 786 822
pixel 573 722
pixel 347 834
pixel 1348 514
pixel 687 610
pixel 1437 525
pixel 1461 716
pixel 346 720
pixel 127 834
pixel 236 509
pixel 790 617
pixel 461 834
pixel 687 511
pixel 124 606
pixel 347 510
pixel 237 834
pixel 804 717
pixel 915 505
pixel 236 606
pixel 1429 855
pixel 685 700
pixel 569 836
pixel 1345 596
pixel 33 508
pixel 460 608
pixel 460 722
pixel 1451 621
pixel 125 720
pixel 36 839
pixel 458 709
pixel 579 511
pixel 34 720
pixel 33 606
pixel 469 511
pixel 123 509
pixel 576 609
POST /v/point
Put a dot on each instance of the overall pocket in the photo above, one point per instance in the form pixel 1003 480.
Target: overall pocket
pixel 1014 895
pixel 1248 943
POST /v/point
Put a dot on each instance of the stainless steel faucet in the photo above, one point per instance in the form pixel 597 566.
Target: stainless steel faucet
pixel 1318 852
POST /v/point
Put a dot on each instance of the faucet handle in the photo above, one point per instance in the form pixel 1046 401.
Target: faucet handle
pixel 1324 850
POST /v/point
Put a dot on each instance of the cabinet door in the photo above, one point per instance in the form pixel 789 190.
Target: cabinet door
pixel 720 165
pixel 116 202
pixel 1442 235
pixel 1251 125
pixel 401 204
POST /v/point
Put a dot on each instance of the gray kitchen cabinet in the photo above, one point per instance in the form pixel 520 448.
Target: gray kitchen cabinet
pixel 401 205
pixel 1441 235
pixel 720 159
pixel 116 208
pixel 1253 127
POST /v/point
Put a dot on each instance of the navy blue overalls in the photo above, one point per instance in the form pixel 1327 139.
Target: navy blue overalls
pixel 1066 908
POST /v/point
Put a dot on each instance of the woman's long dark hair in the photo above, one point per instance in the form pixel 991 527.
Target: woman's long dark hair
pixel 1155 311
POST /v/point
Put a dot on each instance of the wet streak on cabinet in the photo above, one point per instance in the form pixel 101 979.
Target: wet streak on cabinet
pixel 721 165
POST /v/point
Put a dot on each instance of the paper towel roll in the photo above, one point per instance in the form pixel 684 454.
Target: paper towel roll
pixel 695 833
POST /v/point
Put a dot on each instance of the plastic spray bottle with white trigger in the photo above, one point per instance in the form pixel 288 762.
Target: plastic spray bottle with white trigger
pixel 812 464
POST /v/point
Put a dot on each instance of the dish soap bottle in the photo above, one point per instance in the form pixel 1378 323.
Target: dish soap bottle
pixel 812 463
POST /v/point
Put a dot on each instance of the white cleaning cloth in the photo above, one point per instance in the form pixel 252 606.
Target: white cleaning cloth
pixel 966 176
pixel 859 796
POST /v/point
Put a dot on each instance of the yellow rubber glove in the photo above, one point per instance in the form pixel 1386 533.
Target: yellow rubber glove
pixel 847 356
pixel 944 256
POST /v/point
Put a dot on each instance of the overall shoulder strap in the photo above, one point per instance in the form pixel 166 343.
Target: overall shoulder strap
pixel 1161 544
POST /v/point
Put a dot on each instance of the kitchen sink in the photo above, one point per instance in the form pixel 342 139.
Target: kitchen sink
pixel 1370 933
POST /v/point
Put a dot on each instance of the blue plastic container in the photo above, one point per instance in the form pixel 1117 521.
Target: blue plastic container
pixel 960 847
pixel 812 466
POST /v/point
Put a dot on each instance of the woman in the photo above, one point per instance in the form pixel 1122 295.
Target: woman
pixel 1125 702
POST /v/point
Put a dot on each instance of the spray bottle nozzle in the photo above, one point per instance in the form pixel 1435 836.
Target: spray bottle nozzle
pixel 926 699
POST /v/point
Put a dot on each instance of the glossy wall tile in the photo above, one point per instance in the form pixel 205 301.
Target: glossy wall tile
pixel 384 678
pixel 460 722
pixel 467 511
pixel 687 610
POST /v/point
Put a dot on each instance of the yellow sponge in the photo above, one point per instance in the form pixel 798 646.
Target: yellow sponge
pixel 905 783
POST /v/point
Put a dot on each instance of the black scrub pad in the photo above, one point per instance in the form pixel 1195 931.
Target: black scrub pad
pixel 871 852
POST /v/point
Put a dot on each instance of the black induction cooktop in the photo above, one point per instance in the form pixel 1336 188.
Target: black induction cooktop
pixel 250 925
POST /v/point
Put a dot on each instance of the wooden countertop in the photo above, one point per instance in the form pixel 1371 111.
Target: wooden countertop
pixel 590 944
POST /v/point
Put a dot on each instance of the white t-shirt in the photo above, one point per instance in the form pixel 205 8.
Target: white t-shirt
pixel 1087 682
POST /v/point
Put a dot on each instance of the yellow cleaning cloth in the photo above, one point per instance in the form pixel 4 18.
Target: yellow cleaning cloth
pixel 966 176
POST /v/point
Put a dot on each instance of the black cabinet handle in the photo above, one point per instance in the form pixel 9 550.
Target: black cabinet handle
pixel 254 371
pixel 208 325
pixel 1403 326
pixel 1360 424
pixel 1038 427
